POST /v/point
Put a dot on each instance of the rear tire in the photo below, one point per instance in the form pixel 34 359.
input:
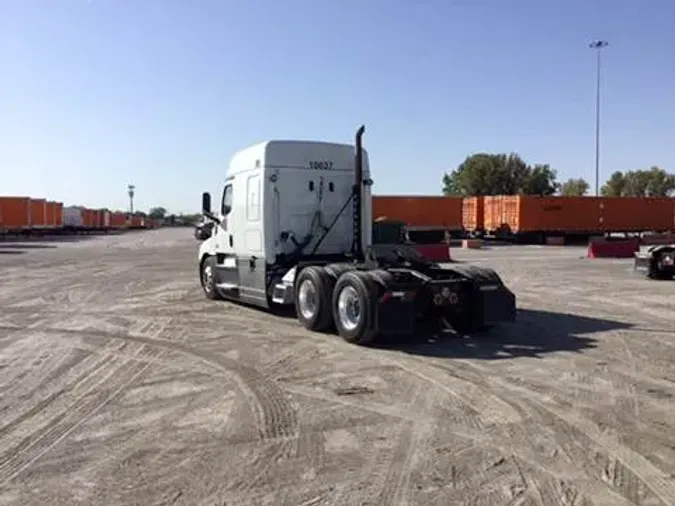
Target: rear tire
pixel 207 275
pixel 354 305
pixel 313 290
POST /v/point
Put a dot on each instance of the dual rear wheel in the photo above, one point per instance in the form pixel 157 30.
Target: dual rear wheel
pixel 348 303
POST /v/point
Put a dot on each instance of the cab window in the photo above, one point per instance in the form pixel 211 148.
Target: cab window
pixel 226 205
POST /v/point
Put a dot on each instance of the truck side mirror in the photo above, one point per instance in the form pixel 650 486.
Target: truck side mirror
pixel 206 203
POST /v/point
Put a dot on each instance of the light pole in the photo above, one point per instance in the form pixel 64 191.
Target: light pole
pixel 131 191
pixel 597 45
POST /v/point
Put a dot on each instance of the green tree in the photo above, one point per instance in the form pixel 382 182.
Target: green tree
pixel 157 213
pixel 499 174
pixel 574 187
pixel 615 185
pixel 652 182
pixel 661 183
pixel 540 180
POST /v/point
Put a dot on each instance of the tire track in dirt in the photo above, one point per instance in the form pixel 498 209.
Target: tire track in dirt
pixel 511 408
pixel 397 485
pixel 616 465
pixel 480 408
pixel 389 481
pixel 275 417
pixel 579 436
pixel 412 442
pixel 502 413
pixel 58 381
pixel 30 449
pixel 384 410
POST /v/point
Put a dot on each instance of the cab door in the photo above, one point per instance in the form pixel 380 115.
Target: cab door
pixel 249 240
pixel 227 276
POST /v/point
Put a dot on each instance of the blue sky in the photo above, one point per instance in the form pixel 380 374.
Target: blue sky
pixel 96 94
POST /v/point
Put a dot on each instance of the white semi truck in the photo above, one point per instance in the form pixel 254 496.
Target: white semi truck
pixel 294 228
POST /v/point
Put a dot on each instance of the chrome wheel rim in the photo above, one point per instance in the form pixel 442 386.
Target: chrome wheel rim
pixel 307 299
pixel 349 308
pixel 207 277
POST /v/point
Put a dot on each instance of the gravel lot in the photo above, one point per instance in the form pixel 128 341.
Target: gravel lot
pixel 120 384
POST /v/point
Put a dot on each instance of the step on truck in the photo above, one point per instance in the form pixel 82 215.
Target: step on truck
pixel 293 228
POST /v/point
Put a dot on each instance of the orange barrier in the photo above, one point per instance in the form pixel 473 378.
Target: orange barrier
pixel 602 248
pixel 433 252
pixel 472 243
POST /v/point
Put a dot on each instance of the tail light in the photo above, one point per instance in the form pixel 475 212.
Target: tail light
pixel 406 295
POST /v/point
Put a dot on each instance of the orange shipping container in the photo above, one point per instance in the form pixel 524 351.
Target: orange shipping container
pixel 38 212
pixel 92 217
pixel 98 221
pixel 15 212
pixel 50 216
pixel 87 218
pixel 58 214
pixel 529 213
pixel 118 220
pixel 473 213
pixel 420 212
pixel 637 214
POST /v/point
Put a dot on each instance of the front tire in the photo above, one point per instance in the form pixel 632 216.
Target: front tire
pixel 354 305
pixel 207 274
pixel 313 288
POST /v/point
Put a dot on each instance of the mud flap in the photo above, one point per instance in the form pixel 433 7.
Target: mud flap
pixel 498 304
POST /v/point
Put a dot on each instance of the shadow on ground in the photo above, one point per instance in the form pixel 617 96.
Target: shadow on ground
pixel 11 252
pixel 535 333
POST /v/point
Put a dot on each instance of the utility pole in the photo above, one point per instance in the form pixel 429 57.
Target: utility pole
pixel 131 191
pixel 597 46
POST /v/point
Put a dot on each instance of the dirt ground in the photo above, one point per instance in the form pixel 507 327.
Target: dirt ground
pixel 120 384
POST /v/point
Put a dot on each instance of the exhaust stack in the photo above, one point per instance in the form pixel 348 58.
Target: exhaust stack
pixel 357 245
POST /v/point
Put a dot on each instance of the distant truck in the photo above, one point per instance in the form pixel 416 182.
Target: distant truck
pixel 658 262
pixel 293 228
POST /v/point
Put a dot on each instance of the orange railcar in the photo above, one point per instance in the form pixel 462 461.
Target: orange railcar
pixel 58 214
pixel 473 213
pixel 88 218
pixel 98 219
pixel 637 214
pixel 38 213
pixel 118 220
pixel 15 213
pixel 424 212
pixel 529 213
pixel 525 214
pixel 50 214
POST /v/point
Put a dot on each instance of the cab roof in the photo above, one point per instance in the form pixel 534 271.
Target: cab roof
pixel 293 154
